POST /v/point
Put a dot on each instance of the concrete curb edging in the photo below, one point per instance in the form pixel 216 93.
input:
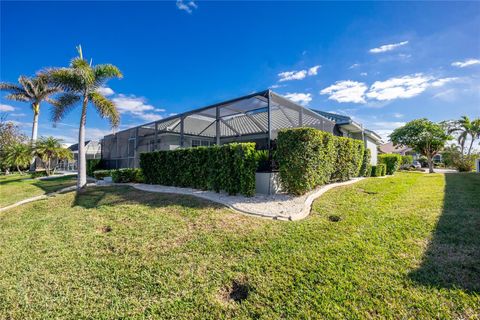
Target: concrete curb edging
pixel 42 196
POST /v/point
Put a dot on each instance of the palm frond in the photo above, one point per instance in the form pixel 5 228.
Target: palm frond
pixel 11 87
pixel 27 86
pixel 104 72
pixel 64 104
pixel 105 108
pixel 67 79
pixel 18 97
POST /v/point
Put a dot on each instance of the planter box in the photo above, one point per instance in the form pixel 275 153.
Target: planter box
pixel 267 183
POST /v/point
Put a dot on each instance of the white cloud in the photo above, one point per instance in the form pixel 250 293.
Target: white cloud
pixel 292 75
pixel 313 70
pixel 466 63
pixel 403 87
pixel 398 115
pixel 186 6
pixel 18 114
pixel 346 91
pixel 364 74
pixel 355 65
pixel 301 98
pixel 137 107
pixel 388 47
pixel 106 91
pixel 6 108
pixel 298 75
pixel 384 128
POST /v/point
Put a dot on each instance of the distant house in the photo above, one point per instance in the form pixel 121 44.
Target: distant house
pixel 257 117
pixel 93 150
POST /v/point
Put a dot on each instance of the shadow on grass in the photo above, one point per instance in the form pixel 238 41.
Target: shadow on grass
pixel 452 259
pixel 55 184
pixel 120 195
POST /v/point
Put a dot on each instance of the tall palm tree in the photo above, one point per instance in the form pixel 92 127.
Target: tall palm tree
pixel 33 90
pixel 464 128
pixel 80 82
pixel 18 155
pixel 50 148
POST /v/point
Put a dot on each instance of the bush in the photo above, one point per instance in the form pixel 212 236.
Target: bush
pixel 94 165
pixel 38 174
pixel 127 175
pixel 349 158
pixel 378 170
pixel 365 163
pixel 407 160
pixel 305 158
pixel 392 162
pixel 100 174
pixel 465 163
pixel 309 157
pixel 229 167
pixel 368 173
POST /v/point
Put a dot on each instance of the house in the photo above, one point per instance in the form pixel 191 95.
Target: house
pixel 256 117
pixel 93 150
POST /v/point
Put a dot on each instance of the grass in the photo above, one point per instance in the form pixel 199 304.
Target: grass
pixel 401 247
pixel 16 187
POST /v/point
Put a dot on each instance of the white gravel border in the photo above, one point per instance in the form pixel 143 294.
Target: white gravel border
pixel 277 207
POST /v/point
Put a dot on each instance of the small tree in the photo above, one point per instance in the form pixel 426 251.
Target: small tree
pixel 50 148
pixel 10 134
pixel 18 155
pixel 422 135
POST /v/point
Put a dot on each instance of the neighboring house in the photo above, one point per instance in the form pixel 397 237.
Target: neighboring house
pixel 93 150
pixel 253 118
pixel 401 150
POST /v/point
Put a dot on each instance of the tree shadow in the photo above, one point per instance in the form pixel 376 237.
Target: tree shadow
pixel 55 184
pixel 120 195
pixel 452 259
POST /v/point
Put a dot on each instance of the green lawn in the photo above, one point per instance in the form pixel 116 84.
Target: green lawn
pixel 17 187
pixel 405 247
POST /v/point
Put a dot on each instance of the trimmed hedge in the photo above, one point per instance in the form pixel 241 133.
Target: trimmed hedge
pixel 367 156
pixel 308 157
pixel 94 165
pixel 368 173
pixel 392 162
pixel 127 175
pixel 100 174
pixel 378 170
pixel 407 160
pixel 229 167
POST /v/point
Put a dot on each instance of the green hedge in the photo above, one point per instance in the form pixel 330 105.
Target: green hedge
pixel 93 165
pixel 367 156
pixel 378 170
pixel 127 175
pixel 230 168
pixel 368 172
pixel 100 174
pixel 392 161
pixel 309 157
pixel 407 160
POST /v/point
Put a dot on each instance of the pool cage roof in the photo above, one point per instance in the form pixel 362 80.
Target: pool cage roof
pixel 259 114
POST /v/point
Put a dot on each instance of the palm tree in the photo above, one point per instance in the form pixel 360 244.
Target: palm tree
pixel 18 155
pixel 50 148
pixel 80 82
pixel 32 90
pixel 464 128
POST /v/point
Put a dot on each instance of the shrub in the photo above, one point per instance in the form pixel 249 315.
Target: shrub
pixel 365 163
pixel 407 160
pixel 465 163
pixel 378 170
pixel 93 165
pixel 100 174
pixel 127 175
pixel 305 158
pixel 349 158
pixel 309 157
pixel 38 174
pixel 368 173
pixel 229 167
pixel 392 162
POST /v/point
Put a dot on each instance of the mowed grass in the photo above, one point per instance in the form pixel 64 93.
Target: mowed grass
pixel 407 246
pixel 16 187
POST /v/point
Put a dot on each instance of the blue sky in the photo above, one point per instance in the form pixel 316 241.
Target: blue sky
pixel 383 63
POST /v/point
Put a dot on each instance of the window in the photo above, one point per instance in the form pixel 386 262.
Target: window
pixel 203 143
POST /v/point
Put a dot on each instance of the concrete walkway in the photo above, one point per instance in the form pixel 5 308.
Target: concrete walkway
pixel 278 207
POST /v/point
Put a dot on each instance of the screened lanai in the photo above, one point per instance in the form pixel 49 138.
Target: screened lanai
pixel 256 117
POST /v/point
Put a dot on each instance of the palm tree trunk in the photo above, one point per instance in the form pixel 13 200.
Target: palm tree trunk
pixel 471 145
pixel 18 169
pixel 81 167
pixel 36 111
